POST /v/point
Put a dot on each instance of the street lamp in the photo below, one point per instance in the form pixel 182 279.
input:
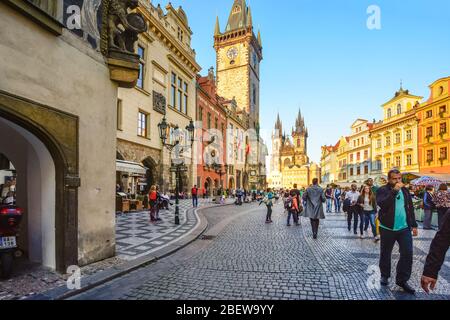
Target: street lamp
pixel 179 167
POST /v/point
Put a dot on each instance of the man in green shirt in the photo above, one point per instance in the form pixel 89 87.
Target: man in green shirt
pixel 397 224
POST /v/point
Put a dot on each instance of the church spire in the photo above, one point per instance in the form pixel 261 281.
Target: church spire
pixel 259 39
pixel 249 17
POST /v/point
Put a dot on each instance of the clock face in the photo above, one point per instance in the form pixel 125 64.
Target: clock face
pixel 232 53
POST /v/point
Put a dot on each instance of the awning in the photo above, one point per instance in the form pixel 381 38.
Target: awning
pixel 130 167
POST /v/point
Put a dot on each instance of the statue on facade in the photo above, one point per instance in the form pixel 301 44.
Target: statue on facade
pixel 120 28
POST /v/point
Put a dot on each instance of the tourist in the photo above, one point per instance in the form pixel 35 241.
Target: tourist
pixel 268 201
pixel 329 198
pixel 368 203
pixel 436 256
pixel 428 207
pixel 397 220
pixel 442 201
pixel 314 197
pixel 337 199
pixel 153 201
pixel 292 207
pixel 194 192
pixel 354 210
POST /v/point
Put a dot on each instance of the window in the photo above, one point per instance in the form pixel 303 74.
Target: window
pixel 378 165
pixel 397 138
pixel 141 53
pixel 379 143
pixel 345 175
pixel 351 171
pixel 143 124
pixel 429 132
pixel 200 114
pixel 216 123
pixel 389 113
pixel 408 135
pixel 366 154
pixel 209 121
pixel 358 156
pixel 408 160
pixel 180 34
pixel 119 114
pixel 398 161
pixel 179 93
pixel 429 114
pixel 442 109
pixel 399 109
pixel 358 171
pixel 429 155
pixel 254 95
pixel 354 143
pixel 443 128
pixel 362 140
pixel 366 169
pixel 388 141
pixel 388 163
pixel 298 143
pixel 351 158
pixel 443 153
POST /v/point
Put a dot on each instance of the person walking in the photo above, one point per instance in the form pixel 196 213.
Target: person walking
pixel 194 193
pixel 442 201
pixel 353 210
pixel 397 222
pixel 436 256
pixel 428 207
pixel 292 206
pixel 337 199
pixel 315 198
pixel 153 201
pixel 368 204
pixel 329 197
pixel 268 200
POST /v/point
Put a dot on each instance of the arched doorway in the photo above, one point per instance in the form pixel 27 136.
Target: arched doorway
pixel 208 186
pixel 151 176
pixel 42 143
pixel 231 185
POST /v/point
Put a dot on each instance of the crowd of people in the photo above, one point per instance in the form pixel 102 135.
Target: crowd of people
pixel 388 209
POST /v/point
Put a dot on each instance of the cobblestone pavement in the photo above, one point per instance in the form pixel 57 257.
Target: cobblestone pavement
pixel 253 260
pixel 136 237
pixel 30 278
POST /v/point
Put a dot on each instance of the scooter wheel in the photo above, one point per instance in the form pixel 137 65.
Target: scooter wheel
pixel 7 264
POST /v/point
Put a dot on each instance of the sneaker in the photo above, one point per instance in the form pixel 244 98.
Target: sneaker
pixel 406 287
pixel 362 236
pixel 384 281
pixel 376 239
pixel 288 225
pixel 267 221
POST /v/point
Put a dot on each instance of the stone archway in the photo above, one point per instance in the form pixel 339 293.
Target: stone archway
pixel 231 185
pixel 51 139
pixel 152 173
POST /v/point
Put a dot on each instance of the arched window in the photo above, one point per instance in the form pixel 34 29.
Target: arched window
pixel 389 113
pixel 298 143
pixel 399 109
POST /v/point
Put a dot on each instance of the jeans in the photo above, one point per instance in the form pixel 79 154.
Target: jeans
pixel 404 266
pixel 441 215
pixel 355 212
pixel 294 215
pixel 369 217
pixel 427 218
pixel 337 205
pixel 269 213
pixel 194 201
pixel 329 204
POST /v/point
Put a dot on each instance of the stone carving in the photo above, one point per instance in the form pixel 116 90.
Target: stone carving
pixel 120 29
pixel 159 102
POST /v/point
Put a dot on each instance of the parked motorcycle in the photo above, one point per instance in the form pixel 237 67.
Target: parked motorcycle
pixel 10 217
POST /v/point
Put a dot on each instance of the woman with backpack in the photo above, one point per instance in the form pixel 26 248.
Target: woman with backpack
pixel 268 201
pixel 293 208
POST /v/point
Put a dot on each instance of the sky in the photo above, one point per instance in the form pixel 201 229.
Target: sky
pixel 320 56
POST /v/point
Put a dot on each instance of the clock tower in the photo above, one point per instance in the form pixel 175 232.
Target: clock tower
pixel 238 57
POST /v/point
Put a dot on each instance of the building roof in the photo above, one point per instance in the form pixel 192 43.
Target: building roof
pixel 402 94
pixel 240 16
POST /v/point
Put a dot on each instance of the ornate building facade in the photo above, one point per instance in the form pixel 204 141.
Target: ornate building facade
pixel 290 162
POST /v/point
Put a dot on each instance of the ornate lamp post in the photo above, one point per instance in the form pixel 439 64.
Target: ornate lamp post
pixel 180 166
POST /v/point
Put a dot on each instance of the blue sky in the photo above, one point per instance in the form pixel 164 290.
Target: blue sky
pixel 320 56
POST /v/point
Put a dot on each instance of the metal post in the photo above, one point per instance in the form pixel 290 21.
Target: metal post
pixel 177 200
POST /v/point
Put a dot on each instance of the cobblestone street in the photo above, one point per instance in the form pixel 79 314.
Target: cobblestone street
pixel 247 259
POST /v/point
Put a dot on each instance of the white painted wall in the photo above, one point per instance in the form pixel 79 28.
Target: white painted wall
pixel 35 189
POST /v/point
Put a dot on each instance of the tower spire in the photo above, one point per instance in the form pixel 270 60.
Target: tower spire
pixel 259 39
pixel 249 17
pixel 217 29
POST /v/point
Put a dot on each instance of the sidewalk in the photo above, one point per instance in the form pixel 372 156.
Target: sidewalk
pixel 137 243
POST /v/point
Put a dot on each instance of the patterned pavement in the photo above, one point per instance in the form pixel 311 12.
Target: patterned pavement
pixel 136 237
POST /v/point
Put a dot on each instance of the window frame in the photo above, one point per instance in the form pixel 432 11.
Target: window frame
pixel 142 65
pixel 146 122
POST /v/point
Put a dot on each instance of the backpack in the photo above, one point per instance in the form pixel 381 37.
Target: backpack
pixel 289 203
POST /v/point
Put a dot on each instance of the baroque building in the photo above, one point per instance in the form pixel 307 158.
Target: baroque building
pixel 290 162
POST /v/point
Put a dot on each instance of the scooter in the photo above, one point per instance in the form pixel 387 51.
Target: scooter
pixel 10 217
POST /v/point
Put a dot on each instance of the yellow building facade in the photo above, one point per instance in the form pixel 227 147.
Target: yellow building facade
pixel 433 131
pixel 395 139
